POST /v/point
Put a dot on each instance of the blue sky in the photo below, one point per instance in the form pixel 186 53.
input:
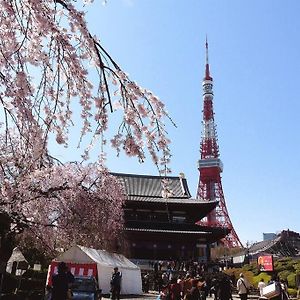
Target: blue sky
pixel 254 51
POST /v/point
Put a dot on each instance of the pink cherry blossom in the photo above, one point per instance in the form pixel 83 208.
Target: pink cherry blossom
pixel 58 205
pixel 48 63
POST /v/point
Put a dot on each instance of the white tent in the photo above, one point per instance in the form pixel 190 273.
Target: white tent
pixel 106 261
pixel 17 263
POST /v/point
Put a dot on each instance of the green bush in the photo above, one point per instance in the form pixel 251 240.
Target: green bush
pixel 264 276
pixel 292 292
pixel 237 271
pixel 286 268
pixel 284 274
pixel 291 279
pixel 284 264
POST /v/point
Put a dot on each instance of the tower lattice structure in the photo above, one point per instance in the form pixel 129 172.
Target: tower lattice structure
pixel 210 166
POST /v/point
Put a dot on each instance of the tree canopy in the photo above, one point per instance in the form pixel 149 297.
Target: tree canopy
pixel 51 65
pixel 50 61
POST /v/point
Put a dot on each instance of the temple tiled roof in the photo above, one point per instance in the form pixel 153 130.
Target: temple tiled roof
pixel 281 245
pixel 286 243
pixel 144 187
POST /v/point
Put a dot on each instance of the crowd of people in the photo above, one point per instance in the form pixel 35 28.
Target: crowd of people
pixel 191 266
pixel 199 286
pixel 171 285
pixel 190 286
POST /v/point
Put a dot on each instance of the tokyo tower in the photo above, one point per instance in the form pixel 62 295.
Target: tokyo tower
pixel 210 166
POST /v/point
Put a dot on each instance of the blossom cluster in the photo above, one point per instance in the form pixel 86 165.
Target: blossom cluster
pixel 50 63
pixel 59 204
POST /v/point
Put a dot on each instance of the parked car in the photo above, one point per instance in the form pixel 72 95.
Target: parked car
pixel 85 288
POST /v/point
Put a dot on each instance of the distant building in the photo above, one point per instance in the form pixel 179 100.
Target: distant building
pixel 284 244
pixel 269 236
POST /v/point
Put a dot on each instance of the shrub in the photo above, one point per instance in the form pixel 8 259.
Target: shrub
pixel 237 271
pixel 291 279
pixel 292 292
pixel 284 264
pixel 284 274
pixel 264 276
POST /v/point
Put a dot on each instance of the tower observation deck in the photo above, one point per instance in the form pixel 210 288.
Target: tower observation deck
pixel 210 166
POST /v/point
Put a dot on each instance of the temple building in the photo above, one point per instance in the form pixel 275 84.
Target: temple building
pixel 160 222
pixel 284 243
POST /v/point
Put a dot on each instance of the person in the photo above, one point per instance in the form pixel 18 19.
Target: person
pixel 284 290
pixel 146 282
pixel 187 285
pixel 194 293
pixel 164 293
pixel 158 282
pixel 180 281
pixel 214 290
pixel 242 287
pixel 202 288
pixel 175 289
pixel 61 283
pixel 48 293
pixel 115 284
pixel 225 289
pixel 260 286
pixel 165 278
pixel 275 280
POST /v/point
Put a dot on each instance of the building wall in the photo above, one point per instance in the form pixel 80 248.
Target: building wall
pixel 268 236
pixel 164 250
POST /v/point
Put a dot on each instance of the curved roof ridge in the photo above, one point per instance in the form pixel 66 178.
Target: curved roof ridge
pixel 153 186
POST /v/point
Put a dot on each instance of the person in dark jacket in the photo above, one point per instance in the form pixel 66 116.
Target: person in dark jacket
pixel 115 284
pixel 61 282
pixel 225 288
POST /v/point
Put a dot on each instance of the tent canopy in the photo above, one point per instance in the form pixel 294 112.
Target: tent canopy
pixel 106 262
pixel 85 255
pixel 16 262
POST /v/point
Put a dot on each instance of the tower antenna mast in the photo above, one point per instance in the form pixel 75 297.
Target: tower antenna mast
pixel 210 166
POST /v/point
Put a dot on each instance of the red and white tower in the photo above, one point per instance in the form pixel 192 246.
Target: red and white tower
pixel 210 166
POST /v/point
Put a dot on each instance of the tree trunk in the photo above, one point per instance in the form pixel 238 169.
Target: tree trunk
pixel 7 241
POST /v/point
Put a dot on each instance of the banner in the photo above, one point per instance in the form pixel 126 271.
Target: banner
pixel 265 263
pixel 75 268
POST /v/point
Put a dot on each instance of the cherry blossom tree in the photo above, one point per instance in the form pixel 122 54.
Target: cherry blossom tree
pixel 50 63
pixel 56 205
pixel 51 66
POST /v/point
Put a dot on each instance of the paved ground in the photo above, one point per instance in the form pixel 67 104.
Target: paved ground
pixel 142 297
pixel 152 296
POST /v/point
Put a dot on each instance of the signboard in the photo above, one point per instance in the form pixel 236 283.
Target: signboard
pixel 238 259
pixel 265 263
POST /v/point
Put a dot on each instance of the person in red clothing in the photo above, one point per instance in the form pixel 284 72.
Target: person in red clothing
pixel 187 285
pixel 175 290
pixel 194 293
